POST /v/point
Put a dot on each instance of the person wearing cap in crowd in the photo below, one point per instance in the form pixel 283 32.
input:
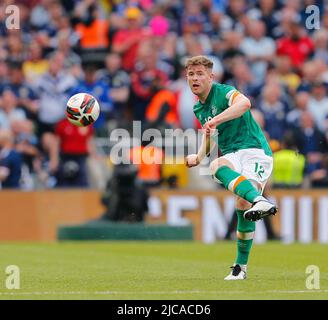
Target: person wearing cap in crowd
pixel 126 41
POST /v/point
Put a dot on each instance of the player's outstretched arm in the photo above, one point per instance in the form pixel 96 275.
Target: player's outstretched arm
pixel 205 148
pixel 238 107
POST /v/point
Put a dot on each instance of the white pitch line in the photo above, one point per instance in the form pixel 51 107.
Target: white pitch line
pixel 155 292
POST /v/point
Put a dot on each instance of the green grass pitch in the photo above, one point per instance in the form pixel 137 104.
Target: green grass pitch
pixel 160 270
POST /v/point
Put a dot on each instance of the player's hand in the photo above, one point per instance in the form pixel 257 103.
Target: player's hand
pixel 210 127
pixel 192 160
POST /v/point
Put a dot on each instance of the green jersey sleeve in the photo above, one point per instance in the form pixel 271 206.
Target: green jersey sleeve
pixel 229 92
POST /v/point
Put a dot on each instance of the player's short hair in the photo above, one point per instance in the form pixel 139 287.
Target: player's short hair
pixel 199 60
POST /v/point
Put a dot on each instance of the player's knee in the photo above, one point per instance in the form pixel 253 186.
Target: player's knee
pixel 218 163
pixel 214 166
pixel 256 184
pixel 242 204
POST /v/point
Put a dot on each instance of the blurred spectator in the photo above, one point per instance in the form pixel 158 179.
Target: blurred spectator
pixel 126 41
pixel 27 97
pixel 193 18
pixel 3 72
pixel 72 60
pixel 46 164
pixel 243 79
pixel 193 21
pixel 75 145
pixel 148 159
pixel 320 39
pixel 9 111
pixel 324 20
pixel 318 104
pixel 54 89
pixel 274 110
pixel 48 33
pixel 15 45
pixel 310 142
pixel 293 117
pixel 289 165
pixel 40 17
pixel 3 28
pixel 159 26
pixel 310 73
pixel 259 118
pixel 229 50
pixel 165 44
pixel 323 75
pixel 259 49
pixel 266 11
pixel 97 88
pixel 10 161
pixel 235 11
pixel 91 27
pixel 142 79
pixel 296 44
pixel 319 177
pixel 26 143
pixel 286 14
pixel 35 65
pixel 162 109
pixel 118 81
pixel 287 77
pixel 24 23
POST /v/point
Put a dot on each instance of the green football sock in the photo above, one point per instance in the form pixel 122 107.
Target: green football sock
pixel 237 183
pixel 245 234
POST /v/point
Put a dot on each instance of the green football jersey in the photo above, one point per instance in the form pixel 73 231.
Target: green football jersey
pixel 236 134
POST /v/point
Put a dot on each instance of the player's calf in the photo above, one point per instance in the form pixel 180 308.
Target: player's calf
pixel 236 183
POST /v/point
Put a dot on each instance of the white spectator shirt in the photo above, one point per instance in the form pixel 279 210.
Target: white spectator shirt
pixel 261 48
pixel 54 93
pixel 7 118
pixel 319 111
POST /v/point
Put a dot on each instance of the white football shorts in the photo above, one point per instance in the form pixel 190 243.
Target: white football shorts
pixel 252 163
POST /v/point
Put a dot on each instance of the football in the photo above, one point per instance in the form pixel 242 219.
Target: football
pixel 82 109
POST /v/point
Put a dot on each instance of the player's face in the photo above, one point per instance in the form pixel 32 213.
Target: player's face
pixel 199 79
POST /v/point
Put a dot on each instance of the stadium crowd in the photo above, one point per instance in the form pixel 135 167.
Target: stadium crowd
pixel 130 55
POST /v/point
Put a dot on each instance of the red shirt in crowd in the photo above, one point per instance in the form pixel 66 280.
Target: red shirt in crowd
pixel 73 139
pixel 298 51
pixel 133 38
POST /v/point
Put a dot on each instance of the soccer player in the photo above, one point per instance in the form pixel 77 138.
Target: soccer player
pixel 246 161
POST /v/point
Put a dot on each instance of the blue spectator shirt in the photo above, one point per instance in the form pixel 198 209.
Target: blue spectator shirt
pixel 12 160
pixel 100 90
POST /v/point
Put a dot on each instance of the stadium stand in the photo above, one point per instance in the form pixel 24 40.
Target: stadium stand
pixel 133 52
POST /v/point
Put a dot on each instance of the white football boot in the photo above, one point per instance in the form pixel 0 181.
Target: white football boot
pixel 238 272
pixel 260 209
